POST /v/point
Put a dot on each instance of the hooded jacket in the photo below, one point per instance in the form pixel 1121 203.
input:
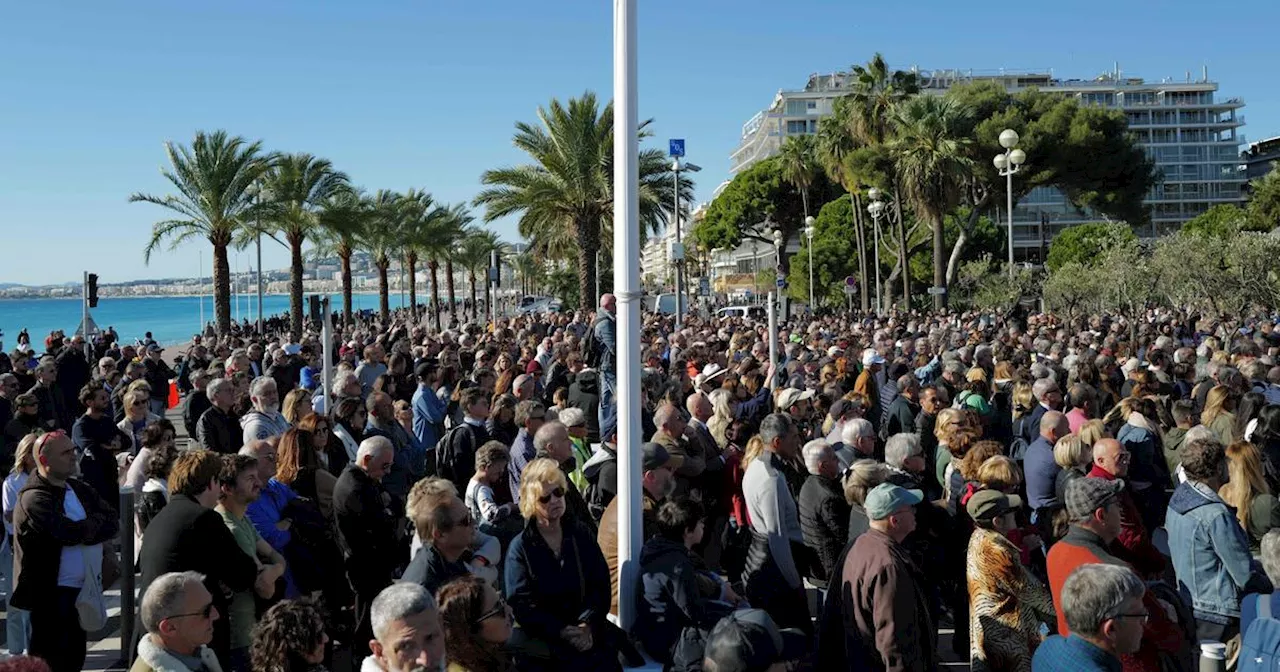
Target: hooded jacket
pixel 668 598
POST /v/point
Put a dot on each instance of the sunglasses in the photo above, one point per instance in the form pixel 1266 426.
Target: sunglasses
pixel 499 609
pixel 203 613
pixel 558 493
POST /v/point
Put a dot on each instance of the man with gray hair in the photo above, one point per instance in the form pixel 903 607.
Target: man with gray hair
pixel 367 528
pixel 671 433
pixel 858 441
pixel 824 513
pixel 406 631
pixel 1103 607
pixel 264 420
pixel 775 584
pixel 552 442
pixel 178 614
pixel 1048 398
pixel 216 430
pixel 905 458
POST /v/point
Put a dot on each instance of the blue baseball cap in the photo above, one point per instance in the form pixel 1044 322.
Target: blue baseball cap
pixel 886 499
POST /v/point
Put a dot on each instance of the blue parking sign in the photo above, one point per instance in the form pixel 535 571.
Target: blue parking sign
pixel 675 147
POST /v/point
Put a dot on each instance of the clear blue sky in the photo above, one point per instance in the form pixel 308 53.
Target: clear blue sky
pixel 423 93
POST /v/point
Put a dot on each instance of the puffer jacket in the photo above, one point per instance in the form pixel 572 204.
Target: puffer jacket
pixel 1007 605
pixel 824 520
pixel 1213 565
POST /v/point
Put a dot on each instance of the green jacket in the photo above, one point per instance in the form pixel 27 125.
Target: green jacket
pixel 1173 441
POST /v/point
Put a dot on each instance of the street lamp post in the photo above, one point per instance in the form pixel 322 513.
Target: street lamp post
pixel 777 273
pixel 1007 164
pixel 808 231
pixel 678 247
pixel 876 208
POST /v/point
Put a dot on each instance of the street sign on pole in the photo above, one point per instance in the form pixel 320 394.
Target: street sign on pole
pixel 704 286
pixel 782 282
pixel 937 290
pixel 675 147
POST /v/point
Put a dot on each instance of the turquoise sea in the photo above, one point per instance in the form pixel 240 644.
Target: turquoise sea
pixel 171 319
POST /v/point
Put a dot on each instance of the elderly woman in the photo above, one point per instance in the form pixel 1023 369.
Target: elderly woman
pixel 137 415
pixel 557 581
pixel 477 624
pixel 860 478
pixel 1075 458
pixel 290 637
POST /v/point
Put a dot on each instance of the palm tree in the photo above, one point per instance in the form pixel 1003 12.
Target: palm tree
pixel 799 163
pixel 214 178
pixel 414 211
pixel 344 217
pixel 528 269
pixel 835 147
pixel 473 255
pixel 932 162
pixel 430 231
pixel 294 191
pixel 381 240
pixel 460 219
pixel 568 189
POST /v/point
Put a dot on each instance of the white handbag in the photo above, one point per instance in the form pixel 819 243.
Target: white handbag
pixel 91 603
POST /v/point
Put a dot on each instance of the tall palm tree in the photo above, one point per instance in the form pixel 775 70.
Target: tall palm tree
pixel 528 269
pixel 835 147
pixel 799 163
pixel 214 177
pixel 381 239
pixel 569 186
pixel 930 154
pixel 294 191
pixel 473 255
pixel 344 217
pixel 460 219
pixel 413 210
pixel 431 231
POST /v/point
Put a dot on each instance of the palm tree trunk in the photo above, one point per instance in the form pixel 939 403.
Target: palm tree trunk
pixel 295 289
pixel 434 265
pixel 222 289
pixel 384 306
pixel 588 243
pixel 906 262
pixel 475 308
pixel 448 280
pixel 346 289
pixel 411 261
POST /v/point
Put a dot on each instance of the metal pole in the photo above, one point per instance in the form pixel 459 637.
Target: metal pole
pixel 879 303
pixel 812 307
pixel 773 340
pixel 495 272
pixel 626 281
pixel 326 336
pixel 260 332
pixel 84 308
pixel 680 261
pixel 1008 177
pixel 200 291
pixel 127 600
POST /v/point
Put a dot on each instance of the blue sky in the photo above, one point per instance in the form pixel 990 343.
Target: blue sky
pixel 424 93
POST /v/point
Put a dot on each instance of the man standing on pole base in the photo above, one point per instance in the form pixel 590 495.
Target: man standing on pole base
pixel 605 333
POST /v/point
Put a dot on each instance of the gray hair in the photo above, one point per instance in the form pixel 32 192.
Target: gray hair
pixel 953 366
pixel 1199 433
pixel 6 377
pixel 1271 555
pixel 862 477
pixel 343 376
pixel 1093 593
pixel 544 435
pixel 163 598
pixel 665 413
pixel 259 384
pixel 899 447
pixel 216 386
pixel 571 417
pixel 374 446
pixel 813 453
pixel 397 602
pixel 773 427
pixel 856 428
pixel 1042 387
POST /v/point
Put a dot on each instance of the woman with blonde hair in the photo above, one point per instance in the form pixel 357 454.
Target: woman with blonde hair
pixel 948 423
pixel 557 580
pixel 723 409
pixel 1075 458
pixel 296 406
pixel 1000 472
pixel 1247 491
pixel 1219 414
pixel 137 415
pixel 1091 432
pixel 17 621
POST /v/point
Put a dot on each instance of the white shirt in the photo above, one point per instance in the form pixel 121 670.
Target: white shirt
pixel 12 486
pixel 71 565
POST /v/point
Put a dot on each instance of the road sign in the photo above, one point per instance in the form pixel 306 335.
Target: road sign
pixel 704 286
pixel 675 147
pixel 937 290
pixel 851 289
pixel 782 282
pixel 850 281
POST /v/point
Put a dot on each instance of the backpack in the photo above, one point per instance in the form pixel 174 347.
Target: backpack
pixel 1018 444
pixel 1260 643
pixel 593 494
pixel 592 350
pixel 448 453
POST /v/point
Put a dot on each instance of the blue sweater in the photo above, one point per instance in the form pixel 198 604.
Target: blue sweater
pixel 1072 654
pixel 428 417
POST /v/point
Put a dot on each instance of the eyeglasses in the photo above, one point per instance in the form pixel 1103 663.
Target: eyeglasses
pixel 1145 616
pixel 44 438
pixel 203 613
pixel 558 493
pixel 499 609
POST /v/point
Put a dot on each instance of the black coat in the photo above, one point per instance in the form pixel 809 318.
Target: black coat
pixel 53 407
pixel 193 407
pixel 901 417
pixel 366 531
pixel 41 529
pixel 667 598
pixel 74 373
pixel 584 394
pixel 218 432
pixel 187 536
pixel 430 570
pixel 824 520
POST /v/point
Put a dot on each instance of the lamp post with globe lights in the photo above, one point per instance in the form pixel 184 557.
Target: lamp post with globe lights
pixel 1007 164
pixel 808 232
pixel 876 208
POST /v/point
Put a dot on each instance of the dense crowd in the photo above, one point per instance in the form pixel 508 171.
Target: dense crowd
pixel 1088 496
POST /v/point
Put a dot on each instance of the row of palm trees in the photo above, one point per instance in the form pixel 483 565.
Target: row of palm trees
pixel 885 134
pixel 230 191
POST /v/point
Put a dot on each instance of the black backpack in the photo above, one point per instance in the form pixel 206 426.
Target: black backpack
pixel 447 454
pixel 594 494
pixel 592 350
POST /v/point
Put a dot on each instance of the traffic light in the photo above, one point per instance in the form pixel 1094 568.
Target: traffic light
pixel 316 314
pixel 93 290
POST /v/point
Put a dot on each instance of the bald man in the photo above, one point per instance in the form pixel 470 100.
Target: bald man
pixel 1040 471
pixel 1111 461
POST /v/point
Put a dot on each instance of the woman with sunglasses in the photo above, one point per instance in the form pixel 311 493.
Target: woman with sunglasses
pixel 557 582
pixel 137 416
pixel 477 623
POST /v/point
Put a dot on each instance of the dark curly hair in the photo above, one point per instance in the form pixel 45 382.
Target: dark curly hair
pixel 284 635
pixel 461 603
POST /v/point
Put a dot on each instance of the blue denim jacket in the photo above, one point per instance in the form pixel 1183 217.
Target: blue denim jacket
pixel 1210 551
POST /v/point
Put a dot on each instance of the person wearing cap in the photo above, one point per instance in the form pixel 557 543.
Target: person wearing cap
pixel 158 374
pixel 824 512
pixel 795 404
pixel 867 383
pixel 772 576
pixel 749 641
pixel 881 593
pixel 1210 551
pixel 1105 608
pixel 1007 603
pixel 657 481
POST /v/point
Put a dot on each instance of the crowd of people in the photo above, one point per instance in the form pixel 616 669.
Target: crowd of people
pixel 1098 495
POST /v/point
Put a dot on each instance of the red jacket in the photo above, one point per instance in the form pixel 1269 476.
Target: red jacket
pixel 1134 544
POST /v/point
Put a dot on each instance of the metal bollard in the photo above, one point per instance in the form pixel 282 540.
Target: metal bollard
pixel 127 606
